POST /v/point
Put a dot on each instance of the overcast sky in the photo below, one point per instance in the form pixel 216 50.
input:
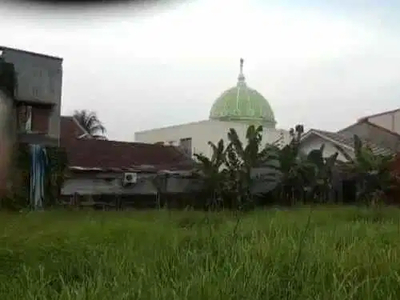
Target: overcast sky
pixel 320 63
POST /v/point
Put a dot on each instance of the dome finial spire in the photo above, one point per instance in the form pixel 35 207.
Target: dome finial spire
pixel 241 76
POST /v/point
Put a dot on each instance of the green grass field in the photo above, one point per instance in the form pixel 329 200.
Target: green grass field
pixel 330 253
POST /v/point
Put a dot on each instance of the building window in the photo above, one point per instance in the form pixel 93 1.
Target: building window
pixel 41 119
pixel 35 92
pixel 24 117
pixel 186 145
pixel 51 86
pixel 33 119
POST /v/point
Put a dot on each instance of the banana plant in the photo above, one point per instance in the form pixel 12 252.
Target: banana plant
pixel 293 169
pixel 320 174
pixel 372 172
pixel 252 168
pixel 212 172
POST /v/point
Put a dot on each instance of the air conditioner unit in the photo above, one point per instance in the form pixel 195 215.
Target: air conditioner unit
pixel 129 178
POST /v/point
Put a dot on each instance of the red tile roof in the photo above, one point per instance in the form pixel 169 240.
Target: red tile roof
pixel 105 154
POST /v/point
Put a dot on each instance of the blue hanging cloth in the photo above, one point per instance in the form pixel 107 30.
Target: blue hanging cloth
pixel 39 164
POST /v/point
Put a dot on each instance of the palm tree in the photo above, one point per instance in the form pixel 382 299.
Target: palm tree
pixel 90 122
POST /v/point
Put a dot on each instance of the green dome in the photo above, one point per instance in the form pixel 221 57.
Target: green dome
pixel 242 103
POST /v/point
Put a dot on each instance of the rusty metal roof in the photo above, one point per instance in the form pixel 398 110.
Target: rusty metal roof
pixel 105 155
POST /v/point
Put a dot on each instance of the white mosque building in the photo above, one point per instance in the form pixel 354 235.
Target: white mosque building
pixel 237 107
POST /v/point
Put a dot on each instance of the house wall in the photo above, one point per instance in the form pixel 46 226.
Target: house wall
pixel 315 142
pixel 39 80
pixel 389 120
pixel 204 131
pixel 373 134
pixel 88 186
pixel 105 183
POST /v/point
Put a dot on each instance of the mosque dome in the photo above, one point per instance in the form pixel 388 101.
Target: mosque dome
pixel 244 104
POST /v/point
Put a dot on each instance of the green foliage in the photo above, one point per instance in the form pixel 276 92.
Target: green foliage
pixel 372 172
pixel 18 194
pixel 56 171
pixel 241 172
pixel 319 174
pixel 243 161
pixel 331 253
pixel 214 178
pixel 291 187
pixel 229 174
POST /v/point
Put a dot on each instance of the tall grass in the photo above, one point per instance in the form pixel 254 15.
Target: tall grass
pixel 329 253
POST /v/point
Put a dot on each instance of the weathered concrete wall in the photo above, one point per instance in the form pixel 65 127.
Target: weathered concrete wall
pixel 39 80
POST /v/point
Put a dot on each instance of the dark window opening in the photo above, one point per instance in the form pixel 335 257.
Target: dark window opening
pixel 33 118
pixel 24 117
pixel 41 119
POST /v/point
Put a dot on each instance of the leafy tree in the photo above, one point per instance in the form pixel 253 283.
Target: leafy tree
pixel 91 123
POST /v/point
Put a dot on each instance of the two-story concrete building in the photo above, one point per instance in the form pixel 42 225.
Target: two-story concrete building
pixel 31 87
pixel 36 94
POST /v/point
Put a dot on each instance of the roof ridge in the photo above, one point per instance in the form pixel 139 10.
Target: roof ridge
pixel 347 141
pixel 111 154
pixel 366 120
pixel 382 128
pixel 379 114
